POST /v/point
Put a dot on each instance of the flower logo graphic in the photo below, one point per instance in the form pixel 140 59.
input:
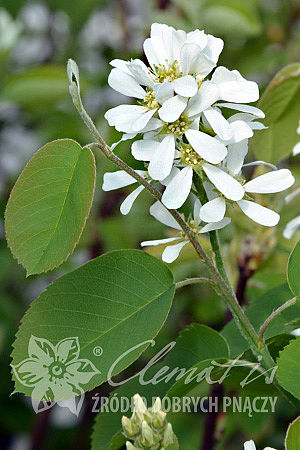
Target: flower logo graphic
pixel 54 372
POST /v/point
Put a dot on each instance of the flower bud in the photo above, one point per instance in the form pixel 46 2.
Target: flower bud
pixel 147 435
pixel 168 436
pixel 139 406
pixel 129 446
pixel 156 405
pixel 159 419
pixel 129 427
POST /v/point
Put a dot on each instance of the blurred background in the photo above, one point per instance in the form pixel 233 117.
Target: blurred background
pixel 36 40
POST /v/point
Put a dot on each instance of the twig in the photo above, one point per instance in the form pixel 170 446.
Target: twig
pixel 272 316
pixel 189 281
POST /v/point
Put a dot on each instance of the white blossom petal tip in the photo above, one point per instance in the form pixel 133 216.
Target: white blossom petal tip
pixel 206 146
pixel 179 188
pixel 258 213
pixel 214 210
pixel 225 183
pixel 271 182
pixel 171 252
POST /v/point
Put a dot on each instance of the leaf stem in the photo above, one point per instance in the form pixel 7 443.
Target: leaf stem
pixel 189 281
pixel 272 316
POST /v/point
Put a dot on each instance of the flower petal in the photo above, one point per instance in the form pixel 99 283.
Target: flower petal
pixel 162 161
pixel 154 51
pixel 160 213
pixel 224 182
pixel 233 87
pixel 239 91
pixel 125 84
pixel 243 108
pixel 214 210
pixel 129 200
pixel 172 108
pixel 171 252
pixel 206 146
pixel 123 117
pixel 119 179
pixel 178 190
pixel 143 120
pixel 235 156
pixel 163 91
pixel 144 149
pixel 192 60
pixel 125 137
pixel 140 72
pixel 271 182
pixel 240 131
pixel 218 123
pixel 216 225
pixel 186 86
pixel 207 95
pixel 260 214
pixel 158 242
pixel 213 48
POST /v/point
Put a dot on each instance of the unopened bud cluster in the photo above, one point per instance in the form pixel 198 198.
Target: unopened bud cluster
pixel 147 428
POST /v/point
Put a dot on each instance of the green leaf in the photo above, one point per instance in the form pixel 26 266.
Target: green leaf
pixel 257 312
pixel 293 270
pixel 49 205
pixel 37 88
pixel 292 440
pixel 112 305
pixel 232 17
pixel 289 368
pixel 280 103
pixel 195 343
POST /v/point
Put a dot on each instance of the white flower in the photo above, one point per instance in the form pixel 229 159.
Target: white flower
pixel 161 154
pixel 178 61
pixel 250 445
pixel 120 179
pixel 177 105
pixel 159 212
pixel 272 182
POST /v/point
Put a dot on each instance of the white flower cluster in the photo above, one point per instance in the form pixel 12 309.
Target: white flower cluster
pixel 183 131
pixel 147 428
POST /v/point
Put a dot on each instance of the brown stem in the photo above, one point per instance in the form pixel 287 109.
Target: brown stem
pixel 209 436
pixel 40 429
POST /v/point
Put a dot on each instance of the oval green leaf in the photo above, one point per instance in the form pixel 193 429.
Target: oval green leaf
pixel 95 320
pixel 49 205
pixel 280 103
pixel 292 440
pixel 289 368
pixel 293 270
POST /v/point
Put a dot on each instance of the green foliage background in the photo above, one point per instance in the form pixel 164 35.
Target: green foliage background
pixel 261 36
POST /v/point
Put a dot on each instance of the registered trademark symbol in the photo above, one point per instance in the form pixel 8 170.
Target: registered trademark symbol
pixel 97 350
